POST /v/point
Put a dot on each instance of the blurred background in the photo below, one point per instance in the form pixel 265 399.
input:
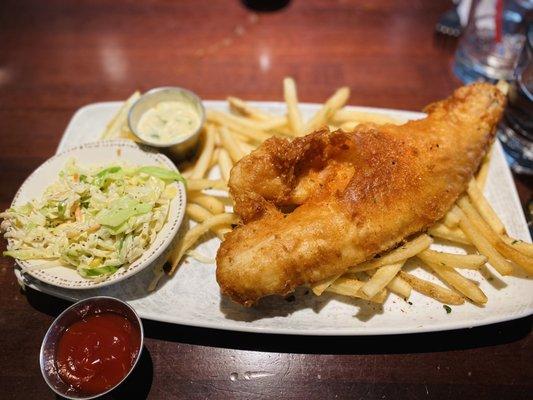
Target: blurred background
pixel 384 50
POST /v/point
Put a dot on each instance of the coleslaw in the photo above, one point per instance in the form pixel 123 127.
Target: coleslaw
pixel 95 220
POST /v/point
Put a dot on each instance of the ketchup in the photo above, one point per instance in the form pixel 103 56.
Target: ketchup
pixel 97 352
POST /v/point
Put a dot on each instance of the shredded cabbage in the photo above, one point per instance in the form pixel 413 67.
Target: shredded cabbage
pixel 94 220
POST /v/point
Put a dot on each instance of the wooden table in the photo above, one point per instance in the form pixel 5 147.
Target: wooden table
pixel 57 56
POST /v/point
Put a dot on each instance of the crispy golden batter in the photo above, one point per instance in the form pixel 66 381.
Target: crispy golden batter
pixel 317 205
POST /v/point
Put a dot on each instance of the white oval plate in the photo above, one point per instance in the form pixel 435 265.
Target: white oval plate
pixel 192 296
pixel 101 154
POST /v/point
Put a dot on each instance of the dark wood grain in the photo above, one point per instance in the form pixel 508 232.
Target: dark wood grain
pixel 56 56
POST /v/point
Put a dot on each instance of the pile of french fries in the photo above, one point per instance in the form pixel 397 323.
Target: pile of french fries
pixel 471 223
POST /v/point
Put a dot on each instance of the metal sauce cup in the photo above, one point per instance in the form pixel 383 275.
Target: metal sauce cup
pixel 74 313
pixel 184 145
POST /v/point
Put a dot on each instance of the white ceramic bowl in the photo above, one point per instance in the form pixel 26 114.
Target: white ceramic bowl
pixel 103 153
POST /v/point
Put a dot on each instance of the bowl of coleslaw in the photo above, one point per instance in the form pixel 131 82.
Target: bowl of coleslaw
pixel 95 214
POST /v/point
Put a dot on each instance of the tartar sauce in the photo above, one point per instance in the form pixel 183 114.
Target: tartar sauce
pixel 168 120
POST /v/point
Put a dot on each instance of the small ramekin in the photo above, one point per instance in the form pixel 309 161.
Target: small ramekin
pixel 90 306
pixel 184 145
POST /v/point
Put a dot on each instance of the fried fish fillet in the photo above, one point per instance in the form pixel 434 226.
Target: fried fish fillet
pixel 315 206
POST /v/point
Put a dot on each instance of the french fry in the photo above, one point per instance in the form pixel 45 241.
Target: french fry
pixel 222 231
pixel 499 263
pixel 200 257
pixel 400 287
pixel 456 280
pixel 246 110
pixel 214 158
pixel 345 115
pixel 319 287
pixel 483 172
pixel 407 250
pixel 451 219
pixel 202 164
pixel 247 148
pixel 258 128
pixel 210 203
pixel 283 130
pixel 220 119
pixel 469 261
pixel 197 212
pixel 114 128
pixel 187 172
pixel 243 138
pixel 484 208
pixel 380 279
pixel 430 289
pixel 192 236
pixel 503 86
pixel 520 245
pixel 217 136
pixel 230 144
pixel 225 164
pixel 158 274
pixel 339 99
pixel 456 235
pixel 194 185
pixel 494 239
pixel 293 112
pixel 200 214
pixel 349 126
pixel 352 288
pixel 396 285
pixel 276 122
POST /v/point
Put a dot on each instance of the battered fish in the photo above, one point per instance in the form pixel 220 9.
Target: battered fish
pixel 317 205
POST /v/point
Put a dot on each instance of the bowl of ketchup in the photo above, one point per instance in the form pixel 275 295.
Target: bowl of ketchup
pixel 91 348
